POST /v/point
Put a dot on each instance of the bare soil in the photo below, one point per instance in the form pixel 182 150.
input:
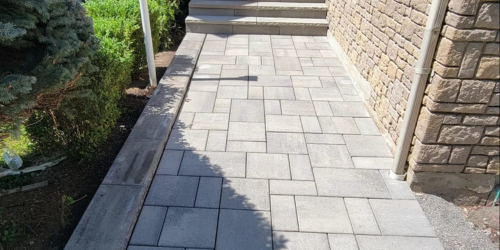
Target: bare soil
pixel 44 219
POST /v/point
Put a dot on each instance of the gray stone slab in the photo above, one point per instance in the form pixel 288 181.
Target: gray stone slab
pixel 214 59
pixel 209 191
pixel 289 72
pixel 269 81
pixel 300 240
pixel 154 123
pixel 268 60
pixel 338 125
pixel 216 121
pixel 330 62
pixel 246 131
pixel 401 218
pixel 284 52
pixel 316 71
pixel 297 108
pixel 283 213
pixel 302 94
pixel 261 70
pixel 272 107
pixel 234 76
pixel 306 81
pixel 136 162
pixel 267 166
pixel 208 69
pixel 318 45
pixel 286 143
pixel 279 93
pixel 189 227
pixel 109 219
pixel 350 183
pixel 308 53
pixel 222 105
pixel 294 187
pixel 214 45
pixel 287 63
pixel 256 93
pixel 303 39
pixel 338 71
pixel 328 53
pixel 236 50
pixel 367 126
pixel 350 109
pixel 329 82
pixel 201 84
pixel 148 227
pixel 283 123
pixel 168 190
pixel 244 230
pixel 310 124
pixel 216 140
pixel 329 156
pixel 186 139
pixel 227 164
pixel 398 189
pixel 131 247
pixel 372 162
pixel 246 146
pixel 369 242
pixel 322 215
pixel 324 139
pixel 367 145
pixel 249 60
pixel 300 167
pixel 247 111
pixel 232 92
pixel 361 215
pixel 325 94
pixel 170 162
pixel 260 49
pixel 184 120
pixel 322 108
pixel 199 102
pixel 343 242
pixel 248 194
pixel 305 62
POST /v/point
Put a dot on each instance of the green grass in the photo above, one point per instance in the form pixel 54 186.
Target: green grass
pixel 22 145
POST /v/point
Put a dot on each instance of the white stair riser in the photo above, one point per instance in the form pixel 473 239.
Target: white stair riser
pixel 255 29
pixel 259 13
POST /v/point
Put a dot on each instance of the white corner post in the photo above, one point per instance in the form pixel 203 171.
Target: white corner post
pixel 146 28
pixel 422 71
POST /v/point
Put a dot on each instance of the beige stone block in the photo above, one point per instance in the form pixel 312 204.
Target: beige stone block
pixel 449 52
pixel 472 170
pixel 443 90
pixel 493 166
pixel 480 120
pixel 470 60
pixel 485 150
pixel 459 154
pixel 444 71
pixel 451 134
pixel 494 131
pixel 424 153
pixel 465 7
pixel 452 119
pixel 491 141
pixel 488 16
pixel 471 35
pixel 492 49
pixel 493 111
pixel 454 107
pixel 428 126
pixel 495 100
pixel 439 168
pixel 478 161
pixel 459 21
pixel 475 91
pixel 489 68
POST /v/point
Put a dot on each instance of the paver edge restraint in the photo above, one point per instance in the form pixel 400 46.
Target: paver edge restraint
pixel 422 71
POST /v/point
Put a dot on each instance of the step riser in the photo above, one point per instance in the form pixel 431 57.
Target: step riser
pixel 259 13
pixel 255 29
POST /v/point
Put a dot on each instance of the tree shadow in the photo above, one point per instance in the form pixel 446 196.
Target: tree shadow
pixel 243 219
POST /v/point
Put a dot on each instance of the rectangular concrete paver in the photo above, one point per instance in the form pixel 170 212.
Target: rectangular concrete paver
pixel 273 149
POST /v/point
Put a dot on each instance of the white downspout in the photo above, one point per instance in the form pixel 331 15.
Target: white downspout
pixel 148 42
pixel 422 70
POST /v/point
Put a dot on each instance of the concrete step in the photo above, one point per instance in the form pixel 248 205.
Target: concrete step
pixel 258 9
pixel 256 25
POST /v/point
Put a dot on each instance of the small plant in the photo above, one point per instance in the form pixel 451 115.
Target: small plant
pixel 9 230
pixel 66 203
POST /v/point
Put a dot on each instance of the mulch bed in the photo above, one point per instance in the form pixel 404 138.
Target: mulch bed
pixel 42 216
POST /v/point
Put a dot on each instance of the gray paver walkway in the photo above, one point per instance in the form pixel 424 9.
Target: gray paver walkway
pixel 274 149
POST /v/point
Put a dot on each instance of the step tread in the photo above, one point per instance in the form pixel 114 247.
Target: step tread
pixel 257 5
pixel 245 20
